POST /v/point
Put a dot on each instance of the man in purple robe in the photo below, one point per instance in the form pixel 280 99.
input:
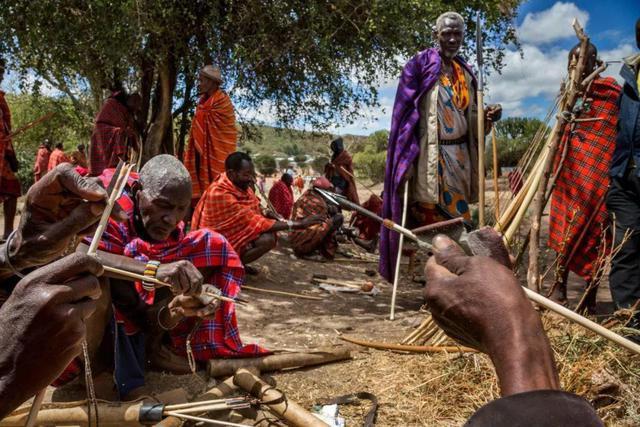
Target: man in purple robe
pixel 433 143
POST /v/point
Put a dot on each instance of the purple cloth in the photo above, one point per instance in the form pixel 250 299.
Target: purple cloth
pixel 417 78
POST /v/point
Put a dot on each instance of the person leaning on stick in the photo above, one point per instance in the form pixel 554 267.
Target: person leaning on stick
pixel 496 318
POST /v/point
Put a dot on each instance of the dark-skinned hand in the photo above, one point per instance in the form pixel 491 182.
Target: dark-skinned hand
pixel 43 326
pixel 183 276
pixel 59 208
pixel 478 301
pixel 190 306
pixel 312 220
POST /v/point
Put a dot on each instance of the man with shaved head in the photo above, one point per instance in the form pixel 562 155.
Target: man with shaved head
pixel 153 243
pixel 433 143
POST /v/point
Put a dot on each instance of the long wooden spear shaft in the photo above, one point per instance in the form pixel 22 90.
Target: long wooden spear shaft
pixel 480 95
pixel 533 296
pixel 30 125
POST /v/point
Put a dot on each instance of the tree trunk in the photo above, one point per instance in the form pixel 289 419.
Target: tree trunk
pixel 189 81
pixel 160 136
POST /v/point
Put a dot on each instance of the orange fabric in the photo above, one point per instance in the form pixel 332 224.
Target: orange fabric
pixel 231 212
pixel 213 137
pixel 41 165
pixel 459 86
pixel 56 157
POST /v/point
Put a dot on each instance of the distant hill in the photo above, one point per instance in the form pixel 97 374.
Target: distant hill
pixel 279 142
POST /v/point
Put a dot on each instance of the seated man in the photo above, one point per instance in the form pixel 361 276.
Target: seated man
pixel 494 316
pixel 230 207
pixel 281 196
pixel 320 237
pixel 368 229
pixel 153 243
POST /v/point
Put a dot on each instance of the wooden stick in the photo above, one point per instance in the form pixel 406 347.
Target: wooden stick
pixel 204 420
pixel 120 182
pixel 278 403
pixel 289 294
pixel 496 190
pixel 582 321
pixel 276 362
pixel 142 278
pixel 35 408
pixel 30 125
pixel 481 170
pixel 409 348
pixel 396 276
pixel 179 406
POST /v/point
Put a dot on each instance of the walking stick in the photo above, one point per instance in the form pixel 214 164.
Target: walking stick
pixel 396 275
pixel 495 173
pixel 480 122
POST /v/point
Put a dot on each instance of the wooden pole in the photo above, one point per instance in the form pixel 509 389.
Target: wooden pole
pixel 75 413
pixel 573 90
pixel 481 168
pixel 276 362
pixel 409 348
pixel 287 294
pixel 496 190
pixel 396 276
pixel 290 411
pixel 35 407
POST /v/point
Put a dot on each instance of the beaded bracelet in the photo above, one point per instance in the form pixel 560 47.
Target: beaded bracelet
pixel 150 270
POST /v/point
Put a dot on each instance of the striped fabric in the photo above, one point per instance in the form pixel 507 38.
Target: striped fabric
pixel 217 337
pixel 112 136
pixel 304 242
pixel 57 156
pixel 231 212
pixel 583 181
pixel 281 197
pixel 213 137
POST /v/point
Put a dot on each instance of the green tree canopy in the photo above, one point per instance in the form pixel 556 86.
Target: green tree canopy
pixel 514 136
pixel 313 62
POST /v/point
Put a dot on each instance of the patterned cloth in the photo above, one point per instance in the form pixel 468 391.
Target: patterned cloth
pixel 57 156
pixel 583 180
pixel 318 236
pixel 454 186
pixel 337 167
pixel 369 228
pixel 281 197
pixel 232 212
pixel 213 137
pixel 418 76
pixel 112 136
pixel 452 121
pixel 41 165
pixel 9 184
pixel 204 248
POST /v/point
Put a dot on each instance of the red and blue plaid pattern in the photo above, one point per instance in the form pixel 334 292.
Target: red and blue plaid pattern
pixel 217 337
pixel 583 181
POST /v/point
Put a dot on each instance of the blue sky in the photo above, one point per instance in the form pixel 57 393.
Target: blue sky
pixel 528 85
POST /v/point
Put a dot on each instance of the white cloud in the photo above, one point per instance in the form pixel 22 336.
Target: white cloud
pixel 616 54
pixel 534 74
pixel 551 24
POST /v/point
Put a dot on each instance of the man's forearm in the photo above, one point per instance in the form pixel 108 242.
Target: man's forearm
pixel 526 362
pixel 117 261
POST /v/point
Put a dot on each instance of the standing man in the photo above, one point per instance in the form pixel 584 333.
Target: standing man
pixel 9 184
pixel 340 171
pixel 281 196
pixel 623 198
pixel 40 166
pixel 433 141
pixel 115 132
pixel 578 214
pixel 213 132
pixel 57 156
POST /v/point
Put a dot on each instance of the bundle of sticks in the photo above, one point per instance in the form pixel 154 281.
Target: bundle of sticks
pixel 427 333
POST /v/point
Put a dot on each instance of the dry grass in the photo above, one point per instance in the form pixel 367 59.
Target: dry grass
pixel 444 390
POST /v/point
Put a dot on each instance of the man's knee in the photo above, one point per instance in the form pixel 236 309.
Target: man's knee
pixel 266 241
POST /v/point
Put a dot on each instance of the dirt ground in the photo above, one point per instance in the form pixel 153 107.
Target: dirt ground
pixel 402 382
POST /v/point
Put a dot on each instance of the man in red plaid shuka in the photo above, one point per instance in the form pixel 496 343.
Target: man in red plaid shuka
pixel 578 214
pixel 281 196
pixel 153 238
pixel 114 133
